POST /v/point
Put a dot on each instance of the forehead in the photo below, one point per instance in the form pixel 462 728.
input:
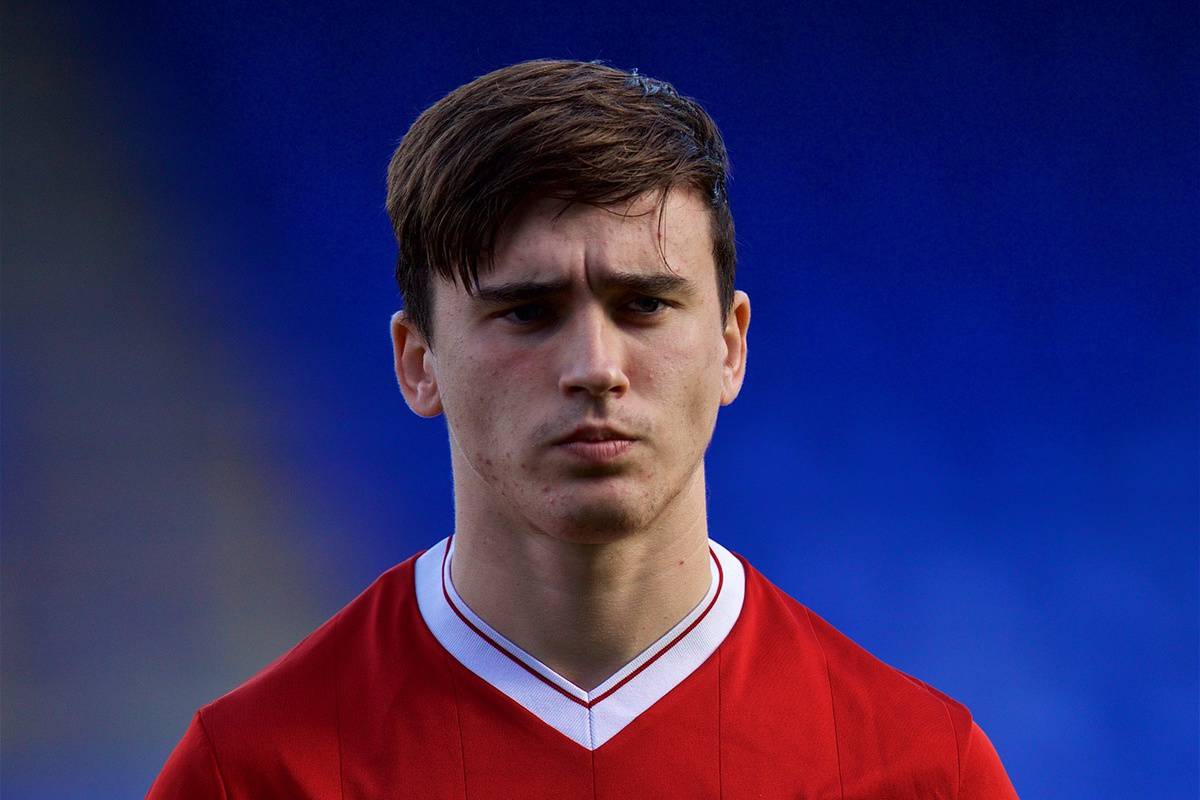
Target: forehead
pixel 551 236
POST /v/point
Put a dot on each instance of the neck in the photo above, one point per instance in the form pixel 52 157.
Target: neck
pixel 585 609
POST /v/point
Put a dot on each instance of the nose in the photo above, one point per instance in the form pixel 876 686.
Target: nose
pixel 592 357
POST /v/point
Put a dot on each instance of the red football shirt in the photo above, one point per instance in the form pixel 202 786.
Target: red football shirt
pixel 406 693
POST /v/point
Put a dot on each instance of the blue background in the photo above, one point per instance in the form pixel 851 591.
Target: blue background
pixel 968 436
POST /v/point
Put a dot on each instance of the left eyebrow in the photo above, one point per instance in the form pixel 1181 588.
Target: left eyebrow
pixel 635 282
pixel 653 284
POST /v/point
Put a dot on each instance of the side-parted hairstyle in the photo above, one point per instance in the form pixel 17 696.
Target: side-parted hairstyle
pixel 577 131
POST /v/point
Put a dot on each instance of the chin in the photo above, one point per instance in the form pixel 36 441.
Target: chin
pixel 598 523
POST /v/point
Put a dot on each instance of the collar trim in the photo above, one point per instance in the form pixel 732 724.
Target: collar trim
pixel 587 718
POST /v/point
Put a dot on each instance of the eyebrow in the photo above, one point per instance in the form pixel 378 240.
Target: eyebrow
pixel 525 291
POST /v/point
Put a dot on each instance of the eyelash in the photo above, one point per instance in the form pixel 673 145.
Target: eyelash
pixel 662 306
pixel 509 314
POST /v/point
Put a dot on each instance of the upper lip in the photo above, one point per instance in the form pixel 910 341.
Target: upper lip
pixel 594 433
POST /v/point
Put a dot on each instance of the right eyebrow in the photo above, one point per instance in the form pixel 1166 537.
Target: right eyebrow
pixel 519 292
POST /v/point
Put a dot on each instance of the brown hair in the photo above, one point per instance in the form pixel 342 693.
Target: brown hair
pixel 579 131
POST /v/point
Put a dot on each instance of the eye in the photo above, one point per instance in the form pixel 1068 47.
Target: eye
pixel 527 314
pixel 647 305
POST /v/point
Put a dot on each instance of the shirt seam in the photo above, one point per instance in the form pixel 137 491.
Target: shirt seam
pixel 837 747
pixel 720 729
pixel 212 750
pixel 462 748
pixel 337 715
pixel 592 751
pixel 957 755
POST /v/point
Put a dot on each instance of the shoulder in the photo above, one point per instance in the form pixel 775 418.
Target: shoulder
pixel 886 721
pixel 325 652
pixel 285 719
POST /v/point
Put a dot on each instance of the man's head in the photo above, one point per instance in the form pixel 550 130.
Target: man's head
pixel 584 301
pixel 576 131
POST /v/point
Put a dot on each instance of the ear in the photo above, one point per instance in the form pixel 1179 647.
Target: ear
pixel 734 335
pixel 416 368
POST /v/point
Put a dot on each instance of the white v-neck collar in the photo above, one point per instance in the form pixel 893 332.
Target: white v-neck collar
pixel 587 718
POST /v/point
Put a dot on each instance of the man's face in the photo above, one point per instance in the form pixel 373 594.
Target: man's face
pixel 581 332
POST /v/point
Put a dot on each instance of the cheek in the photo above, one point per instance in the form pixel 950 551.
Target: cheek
pixel 683 376
pixel 483 401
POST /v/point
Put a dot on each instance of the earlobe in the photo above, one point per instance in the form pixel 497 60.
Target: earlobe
pixel 736 326
pixel 416 369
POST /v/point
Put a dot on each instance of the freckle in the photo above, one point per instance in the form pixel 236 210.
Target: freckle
pixel 681 563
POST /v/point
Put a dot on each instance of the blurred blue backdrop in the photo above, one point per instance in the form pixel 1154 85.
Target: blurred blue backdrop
pixel 968 436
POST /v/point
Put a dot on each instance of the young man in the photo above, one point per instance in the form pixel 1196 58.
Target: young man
pixel 566 261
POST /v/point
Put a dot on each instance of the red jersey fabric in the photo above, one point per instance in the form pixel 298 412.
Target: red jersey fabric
pixel 405 693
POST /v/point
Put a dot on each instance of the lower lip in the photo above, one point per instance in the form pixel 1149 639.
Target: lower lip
pixel 598 452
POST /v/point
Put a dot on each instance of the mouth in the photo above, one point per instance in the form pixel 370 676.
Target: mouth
pixel 597 444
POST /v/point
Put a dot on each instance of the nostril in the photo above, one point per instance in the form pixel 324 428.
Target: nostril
pixel 596 381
